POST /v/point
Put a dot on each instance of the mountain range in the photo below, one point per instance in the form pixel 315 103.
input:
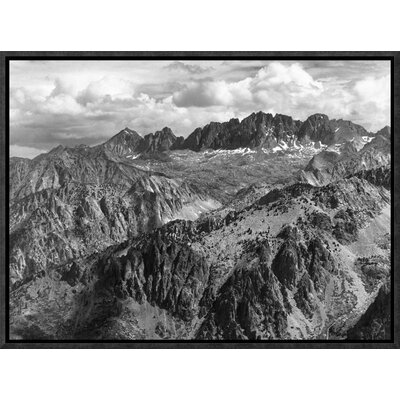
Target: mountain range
pixel 255 131
pixel 264 228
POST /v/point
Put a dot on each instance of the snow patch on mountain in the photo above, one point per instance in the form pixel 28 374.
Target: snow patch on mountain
pixel 240 151
pixel 367 139
pixel 133 156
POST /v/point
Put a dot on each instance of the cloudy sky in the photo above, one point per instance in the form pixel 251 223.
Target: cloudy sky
pixel 74 102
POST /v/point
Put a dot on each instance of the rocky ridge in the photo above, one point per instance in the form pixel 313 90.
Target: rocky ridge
pixel 76 201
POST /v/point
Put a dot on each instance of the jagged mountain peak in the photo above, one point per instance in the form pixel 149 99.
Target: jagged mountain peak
pixel 259 114
pixel 166 129
pixel 164 132
pixel 318 116
pixel 125 134
pixel 159 141
pixel 318 127
pixel 124 142
pixel 127 129
pixel 265 130
pixel 256 130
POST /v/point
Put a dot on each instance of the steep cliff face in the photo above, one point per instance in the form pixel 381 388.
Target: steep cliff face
pixel 254 131
pixel 159 141
pixel 250 306
pixel 319 128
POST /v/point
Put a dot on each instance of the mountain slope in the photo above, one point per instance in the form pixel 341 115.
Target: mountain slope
pixel 158 142
pixel 124 143
pixel 289 266
pixel 73 202
pixel 318 127
pixel 341 160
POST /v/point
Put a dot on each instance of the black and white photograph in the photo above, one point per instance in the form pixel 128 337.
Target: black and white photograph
pixel 205 200
pixel 199 200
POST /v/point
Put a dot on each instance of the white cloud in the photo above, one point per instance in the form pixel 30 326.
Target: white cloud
pixel 376 90
pixel 204 94
pixel 271 86
pixel 112 87
pixel 61 104
pixel 277 74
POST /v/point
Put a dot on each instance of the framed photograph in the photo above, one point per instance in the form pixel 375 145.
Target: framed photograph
pixel 199 200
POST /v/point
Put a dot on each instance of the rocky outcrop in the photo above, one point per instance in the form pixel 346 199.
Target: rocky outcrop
pixel 381 176
pixel 375 324
pixel 159 141
pixel 160 272
pixel 319 128
pixel 250 306
pixel 286 264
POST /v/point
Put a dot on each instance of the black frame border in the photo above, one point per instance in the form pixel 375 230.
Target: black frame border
pixel 6 57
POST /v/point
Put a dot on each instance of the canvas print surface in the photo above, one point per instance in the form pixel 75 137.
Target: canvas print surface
pixel 196 200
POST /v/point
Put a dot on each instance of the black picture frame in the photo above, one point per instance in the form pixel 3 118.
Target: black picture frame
pixel 6 57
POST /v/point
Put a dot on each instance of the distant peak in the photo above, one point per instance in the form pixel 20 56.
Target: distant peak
pixel 262 113
pixel 257 116
pixel 386 131
pixel 126 132
pixel 318 115
pixel 166 130
pixel 129 131
pixel 163 132
pixel 57 149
